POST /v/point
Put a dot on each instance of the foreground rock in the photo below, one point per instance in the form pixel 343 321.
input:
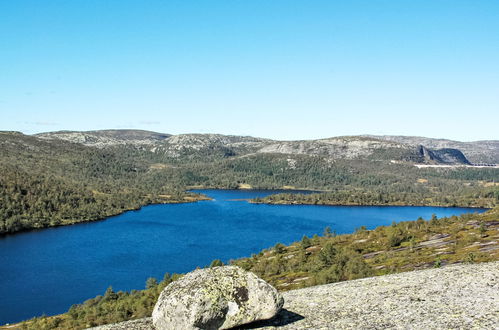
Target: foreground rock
pixel 452 297
pixel 215 298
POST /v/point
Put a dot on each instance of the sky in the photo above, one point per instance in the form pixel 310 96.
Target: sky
pixel 269 68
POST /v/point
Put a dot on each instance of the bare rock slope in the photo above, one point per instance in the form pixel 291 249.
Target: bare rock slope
pixel 476 151
pixel 453 297
pixel 108 138
pixel 219 146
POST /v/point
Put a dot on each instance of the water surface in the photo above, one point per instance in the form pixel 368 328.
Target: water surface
pixel 47 271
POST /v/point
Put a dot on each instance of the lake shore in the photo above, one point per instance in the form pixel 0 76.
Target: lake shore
pixel 287 189
pixel 64 223
pixel 127 249
pixel 326 203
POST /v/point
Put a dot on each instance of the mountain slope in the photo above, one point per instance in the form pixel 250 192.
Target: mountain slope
pixel 476 152
pixel 56 182
pixel 356 147
pixel 217 146
pixel 208 146
pixel 107 138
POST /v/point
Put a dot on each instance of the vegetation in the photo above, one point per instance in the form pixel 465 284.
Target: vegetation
pixel 54 182
pixel 471 198
pixel 400 247
pixel 107 308
pixel 331 258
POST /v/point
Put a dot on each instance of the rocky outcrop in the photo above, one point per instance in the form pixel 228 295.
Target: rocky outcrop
pixel 338 147
pixel 476 151
pixel 215 298
pixel 452 297
pixel 108 138
pixel 217 146
pixel 160 143
pixel 443 156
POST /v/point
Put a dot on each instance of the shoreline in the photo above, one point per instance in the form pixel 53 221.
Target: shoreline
pixel 370 205
pixel 77 222
pixel 201 197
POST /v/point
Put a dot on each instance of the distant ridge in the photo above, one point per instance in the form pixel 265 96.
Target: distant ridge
pixel 103 138
pixel 486 151
pixel 408 148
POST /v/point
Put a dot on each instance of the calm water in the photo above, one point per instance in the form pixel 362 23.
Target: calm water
pixel 49 270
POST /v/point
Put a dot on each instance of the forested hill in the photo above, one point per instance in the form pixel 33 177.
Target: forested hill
pixel 47 183
pixel 66 177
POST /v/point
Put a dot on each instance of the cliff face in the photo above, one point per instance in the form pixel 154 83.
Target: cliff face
pixel 443 156
pixel 453 297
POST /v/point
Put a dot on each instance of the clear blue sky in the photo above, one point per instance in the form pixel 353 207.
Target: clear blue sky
pixel 278 69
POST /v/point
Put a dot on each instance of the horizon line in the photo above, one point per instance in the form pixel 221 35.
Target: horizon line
pixel 247 135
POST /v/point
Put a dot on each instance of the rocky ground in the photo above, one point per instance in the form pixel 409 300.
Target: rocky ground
pixel 453 297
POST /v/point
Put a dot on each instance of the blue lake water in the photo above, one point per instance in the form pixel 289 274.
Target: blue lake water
pixel 47 271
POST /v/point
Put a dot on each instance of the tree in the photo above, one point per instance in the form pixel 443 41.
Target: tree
pixel 305 242
pixel 483 230
pixel 279 248
pixel 328 232
pixel 110 294
pixel 327 255
pixel 151 283
pixel 216 263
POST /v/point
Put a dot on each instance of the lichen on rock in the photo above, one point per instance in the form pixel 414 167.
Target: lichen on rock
pixel 216 298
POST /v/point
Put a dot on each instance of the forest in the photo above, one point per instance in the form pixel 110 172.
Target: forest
pixel 45 184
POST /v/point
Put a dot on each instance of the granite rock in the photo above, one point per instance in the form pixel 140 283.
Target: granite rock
pixel 215 298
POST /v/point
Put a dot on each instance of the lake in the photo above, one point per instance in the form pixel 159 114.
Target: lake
pixel 47 271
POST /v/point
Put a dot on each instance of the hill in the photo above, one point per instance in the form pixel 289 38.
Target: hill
pixel 55 182
pixel 107 138
pixel 476 152
pixel 65 177
pixel 216 145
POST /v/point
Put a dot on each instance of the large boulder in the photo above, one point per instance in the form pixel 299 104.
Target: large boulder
pixel 216 298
